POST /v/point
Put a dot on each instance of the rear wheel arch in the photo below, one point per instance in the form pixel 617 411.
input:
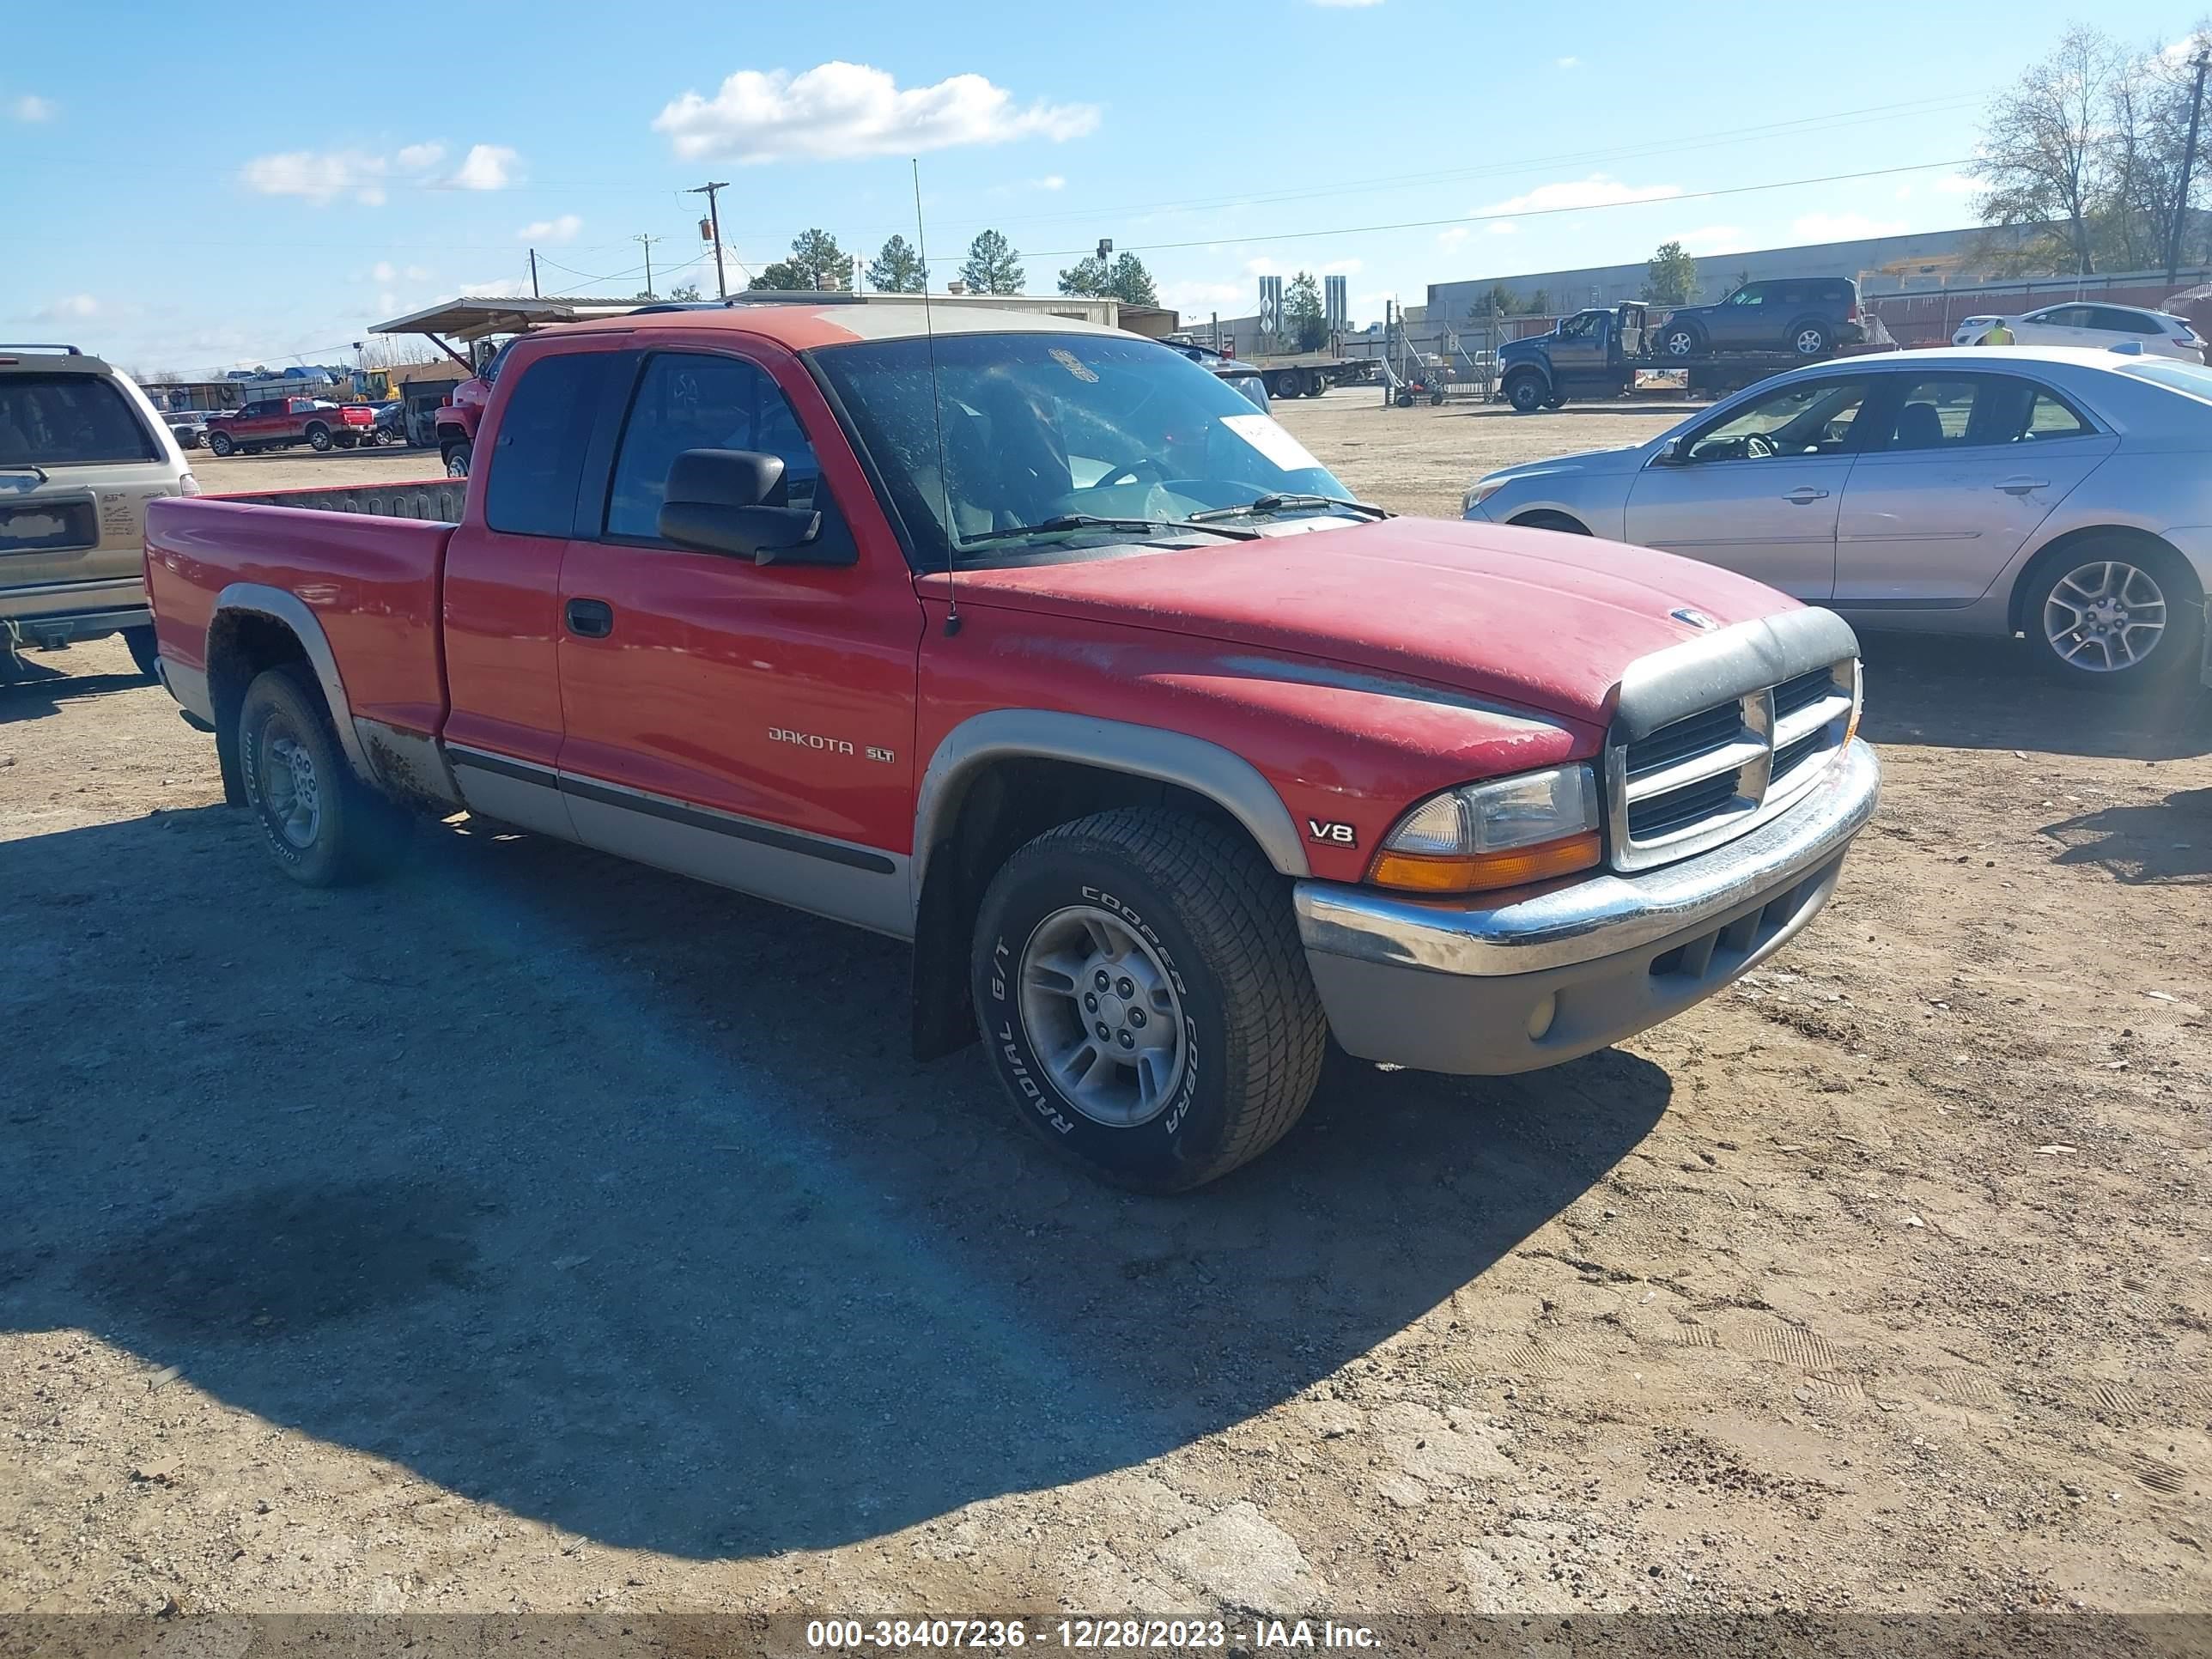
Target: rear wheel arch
pixel 256 627
pixel 2032 573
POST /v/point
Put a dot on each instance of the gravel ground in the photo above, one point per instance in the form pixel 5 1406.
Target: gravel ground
pixel 539 1232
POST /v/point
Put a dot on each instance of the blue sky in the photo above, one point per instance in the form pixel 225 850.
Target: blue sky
pixel 256 184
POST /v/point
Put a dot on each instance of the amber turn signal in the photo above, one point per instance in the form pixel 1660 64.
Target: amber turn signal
pixel 1482 872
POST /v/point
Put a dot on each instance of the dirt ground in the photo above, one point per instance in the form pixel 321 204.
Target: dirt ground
pixel 539 1232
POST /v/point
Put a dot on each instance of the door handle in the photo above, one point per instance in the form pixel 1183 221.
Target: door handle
pixel 2023 486
pixel 1805 495
pixel 589 619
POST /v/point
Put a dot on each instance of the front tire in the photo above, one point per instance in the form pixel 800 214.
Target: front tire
pixel 318 439
pixel 1526 393
pixel 1144 997
pixel 2115 616
pixel 220 444
pixel 324 826
pixel 457 461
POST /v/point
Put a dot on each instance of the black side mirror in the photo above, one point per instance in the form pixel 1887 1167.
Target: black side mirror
pixel 1674 452
pixel 732 502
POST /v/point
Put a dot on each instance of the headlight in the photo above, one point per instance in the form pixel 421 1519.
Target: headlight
pixel 1479 494
pixel 1484 835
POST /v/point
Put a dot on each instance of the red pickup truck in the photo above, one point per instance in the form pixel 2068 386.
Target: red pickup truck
pixel 278 422
pixel 1038 647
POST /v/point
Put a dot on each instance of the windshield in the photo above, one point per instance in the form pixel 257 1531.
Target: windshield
pixel 69 420
pixel 1039 426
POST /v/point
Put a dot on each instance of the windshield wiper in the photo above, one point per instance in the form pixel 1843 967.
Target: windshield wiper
pixel 1277 503
pixel 1061 523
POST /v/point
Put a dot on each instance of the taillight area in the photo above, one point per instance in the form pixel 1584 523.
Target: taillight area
pixel 188 485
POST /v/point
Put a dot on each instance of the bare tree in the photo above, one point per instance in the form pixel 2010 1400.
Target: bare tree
pixel 2043 142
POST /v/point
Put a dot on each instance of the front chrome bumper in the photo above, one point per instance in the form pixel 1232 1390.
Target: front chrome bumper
pixel 1539 979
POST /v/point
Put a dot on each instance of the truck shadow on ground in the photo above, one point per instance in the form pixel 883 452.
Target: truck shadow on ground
pixel 42 689
pixel 615 1200
pixel 1988 694
pixel 2168 844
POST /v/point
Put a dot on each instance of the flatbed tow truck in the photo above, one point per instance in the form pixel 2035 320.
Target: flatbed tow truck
pixel 1601 352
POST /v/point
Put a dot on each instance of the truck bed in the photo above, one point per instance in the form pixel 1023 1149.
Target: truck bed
pixel 366 562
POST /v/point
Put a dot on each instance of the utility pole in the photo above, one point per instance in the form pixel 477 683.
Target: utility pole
pixel 714 219
pixel 2188 160
pixel 647 242
pixel 533 274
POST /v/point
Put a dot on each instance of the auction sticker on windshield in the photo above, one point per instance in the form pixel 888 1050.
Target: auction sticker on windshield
pixel 1270 440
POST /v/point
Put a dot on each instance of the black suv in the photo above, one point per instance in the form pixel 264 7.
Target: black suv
pixel 1808 317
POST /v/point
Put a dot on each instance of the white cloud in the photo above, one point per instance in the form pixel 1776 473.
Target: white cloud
pixel 383 271
pixel 1956 184
pixel 1052 181
pixel 318 176
pixel 1457 234
pixel 486 167
pixel 417 273
pixel 419 158
pixel 563 229
pixel 1568 63
pixel 1843 226
pixel 1195 296
pixel 387 301
pixel 1262 266
pixel 69 308
pixel 1597 191
pixel 32 108
pixel 1343 267
pixel 836 110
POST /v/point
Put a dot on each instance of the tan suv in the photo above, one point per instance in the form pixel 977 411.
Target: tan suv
pixel 82 452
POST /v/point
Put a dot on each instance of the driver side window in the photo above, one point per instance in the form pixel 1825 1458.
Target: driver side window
pixel 689 400
pixel 1810 417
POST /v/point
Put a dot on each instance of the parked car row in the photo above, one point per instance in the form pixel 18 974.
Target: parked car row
pixel 2055 492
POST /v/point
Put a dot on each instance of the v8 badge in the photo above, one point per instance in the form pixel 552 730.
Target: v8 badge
pixel 1332 834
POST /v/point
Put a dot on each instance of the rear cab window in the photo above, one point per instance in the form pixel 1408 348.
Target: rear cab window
pixel 529 487
pixel 69 419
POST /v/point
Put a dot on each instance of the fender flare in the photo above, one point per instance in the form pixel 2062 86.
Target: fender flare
pixel 1145 751
pixel 258 598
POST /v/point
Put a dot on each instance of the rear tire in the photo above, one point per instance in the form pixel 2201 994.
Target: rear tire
pixel 144 652
pixel 1203 1044
pixel 324 826
pixel 1680 341
pixel 2114 615
pixel 1812 339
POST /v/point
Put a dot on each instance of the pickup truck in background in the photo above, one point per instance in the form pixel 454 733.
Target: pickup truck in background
pixel 1038 648
pixel 280 422
pixel 457 418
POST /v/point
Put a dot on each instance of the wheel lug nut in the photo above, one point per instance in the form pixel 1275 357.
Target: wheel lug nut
pixel 1128 1041
pixel 1101 980
pixel 1089 1002
pixel 1137 1017
pixel 1104 1035
pixel 1127 988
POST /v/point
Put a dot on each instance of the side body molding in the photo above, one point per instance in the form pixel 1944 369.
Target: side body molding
pixel 1144 751
pixel 290 609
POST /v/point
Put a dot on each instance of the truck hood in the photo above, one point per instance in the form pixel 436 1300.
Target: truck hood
pixel 1543 621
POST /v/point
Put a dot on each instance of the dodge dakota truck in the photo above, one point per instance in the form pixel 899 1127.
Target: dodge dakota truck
pixel 280 422
pixel 1040 648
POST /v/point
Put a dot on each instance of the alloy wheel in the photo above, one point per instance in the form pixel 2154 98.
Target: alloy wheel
pixel 1103 1012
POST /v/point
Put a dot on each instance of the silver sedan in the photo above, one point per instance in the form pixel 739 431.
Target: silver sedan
pixel 2062 494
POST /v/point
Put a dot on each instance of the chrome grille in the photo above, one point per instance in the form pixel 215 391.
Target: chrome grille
pixel 1709 777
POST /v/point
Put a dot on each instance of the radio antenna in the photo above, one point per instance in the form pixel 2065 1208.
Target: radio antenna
pixel 937 410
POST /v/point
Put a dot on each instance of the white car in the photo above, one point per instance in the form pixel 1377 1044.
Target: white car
pixel 2080 323
pixel 2061 494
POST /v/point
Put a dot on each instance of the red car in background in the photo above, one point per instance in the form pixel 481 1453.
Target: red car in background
pixel 279 422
